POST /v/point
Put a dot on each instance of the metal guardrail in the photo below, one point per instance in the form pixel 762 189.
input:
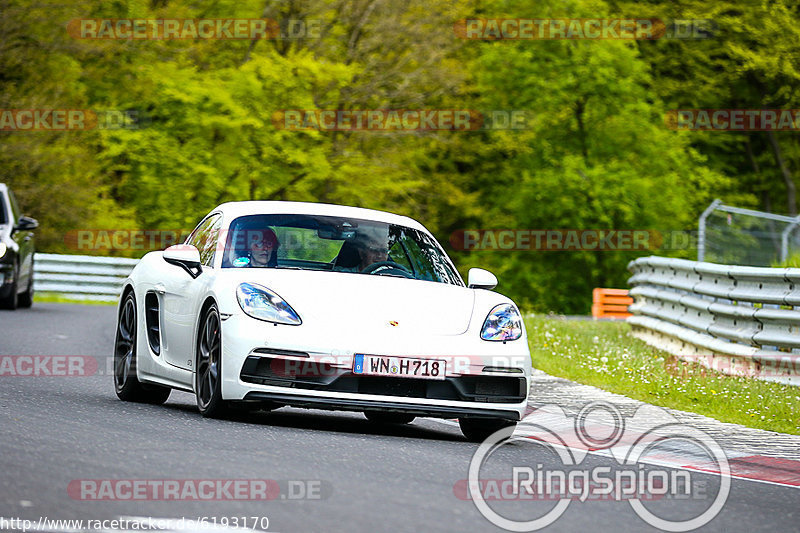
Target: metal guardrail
pixel 738 320
pixel 81 277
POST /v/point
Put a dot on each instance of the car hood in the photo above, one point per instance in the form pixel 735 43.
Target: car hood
pixel 368 303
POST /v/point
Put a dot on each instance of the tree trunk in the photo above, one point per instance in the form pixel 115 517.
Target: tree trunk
pixel 791 190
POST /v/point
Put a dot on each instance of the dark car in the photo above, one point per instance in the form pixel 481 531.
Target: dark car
pixel 16 253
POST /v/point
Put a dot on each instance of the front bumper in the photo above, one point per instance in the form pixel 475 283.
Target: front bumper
pixel 258 359
pixel 346 404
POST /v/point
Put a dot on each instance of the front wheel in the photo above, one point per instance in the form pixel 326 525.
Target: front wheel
pixel 208 374
pixel 12 300
pixel 26 298
pixel 479 429
pixel 126 383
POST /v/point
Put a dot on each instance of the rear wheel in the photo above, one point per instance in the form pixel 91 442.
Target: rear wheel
pixel 478 429
pixel 380 417
pixel 126 383
pixel 208 376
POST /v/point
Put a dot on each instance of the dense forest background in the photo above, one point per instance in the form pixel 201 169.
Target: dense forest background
pixel 596 154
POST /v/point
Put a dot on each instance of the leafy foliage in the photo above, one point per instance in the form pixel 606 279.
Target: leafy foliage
pixel 595 152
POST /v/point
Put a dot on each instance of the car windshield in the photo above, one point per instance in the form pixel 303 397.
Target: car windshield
pixel 312 242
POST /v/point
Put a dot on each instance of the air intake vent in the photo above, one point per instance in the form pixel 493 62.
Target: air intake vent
pixel 151 321
pixel 272 351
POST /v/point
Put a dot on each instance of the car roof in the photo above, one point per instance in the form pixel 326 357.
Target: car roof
pixel 233 210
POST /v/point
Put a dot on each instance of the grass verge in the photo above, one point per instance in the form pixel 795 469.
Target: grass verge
pixel 605 355
pixel 55 298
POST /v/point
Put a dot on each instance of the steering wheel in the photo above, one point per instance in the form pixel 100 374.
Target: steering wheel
pixel 375 268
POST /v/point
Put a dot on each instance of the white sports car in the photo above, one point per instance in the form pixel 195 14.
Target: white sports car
pixel 271 304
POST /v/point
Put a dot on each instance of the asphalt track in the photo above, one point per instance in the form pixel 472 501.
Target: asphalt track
pixel 362 477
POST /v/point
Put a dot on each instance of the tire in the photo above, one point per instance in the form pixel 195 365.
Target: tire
pixel 126 383
pixel 12 300
pixel 478 429
pixel 380 417
pixel 26 298
pixel 208 373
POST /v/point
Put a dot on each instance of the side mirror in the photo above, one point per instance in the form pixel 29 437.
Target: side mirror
pixel 479 278
pixel 26 224
pixel 185 256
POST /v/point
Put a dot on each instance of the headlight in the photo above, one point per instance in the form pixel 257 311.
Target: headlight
pixel 261 303
pixel 2 250
pixel 502 324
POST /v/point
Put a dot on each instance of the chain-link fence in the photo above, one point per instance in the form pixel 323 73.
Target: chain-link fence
pixel 735 236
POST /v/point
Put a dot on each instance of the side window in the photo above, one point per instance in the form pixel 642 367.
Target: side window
pixel 422 266
pixel 399 256
pixel 204 238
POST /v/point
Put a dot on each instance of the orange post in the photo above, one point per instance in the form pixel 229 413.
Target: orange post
pixel 610 303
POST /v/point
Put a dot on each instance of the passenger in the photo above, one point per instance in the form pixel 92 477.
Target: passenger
pixel 262 248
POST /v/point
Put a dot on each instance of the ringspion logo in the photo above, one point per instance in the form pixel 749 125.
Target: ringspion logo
pixel 636 445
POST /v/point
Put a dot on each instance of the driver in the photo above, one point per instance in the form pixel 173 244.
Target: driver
pixel 371 244
pixel 372 253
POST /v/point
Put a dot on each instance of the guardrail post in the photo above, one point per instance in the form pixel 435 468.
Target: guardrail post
pixel 701 229
pixel 785 239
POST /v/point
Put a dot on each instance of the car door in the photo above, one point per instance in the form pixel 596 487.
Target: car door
pixel 182 295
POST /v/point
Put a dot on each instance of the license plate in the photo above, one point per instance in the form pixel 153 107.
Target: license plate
pixel 402 367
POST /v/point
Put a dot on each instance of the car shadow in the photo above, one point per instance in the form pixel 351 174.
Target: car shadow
pixel 317 420
pixel 342 423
